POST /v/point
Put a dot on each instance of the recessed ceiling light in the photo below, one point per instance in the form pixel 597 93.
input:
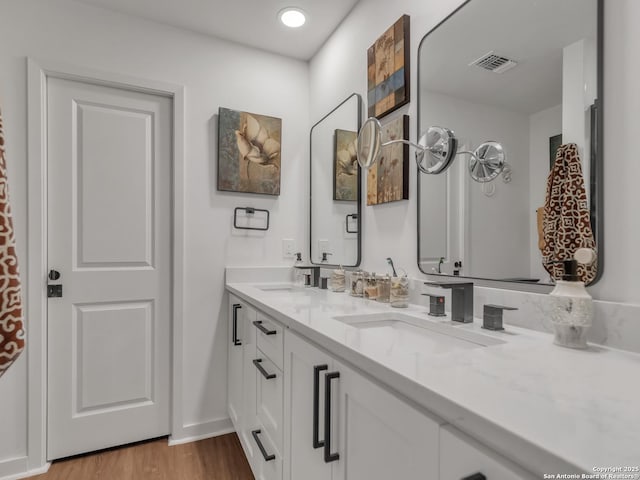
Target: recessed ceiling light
pixel 292 17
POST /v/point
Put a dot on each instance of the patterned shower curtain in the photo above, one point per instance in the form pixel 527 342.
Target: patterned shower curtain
pixel 12 335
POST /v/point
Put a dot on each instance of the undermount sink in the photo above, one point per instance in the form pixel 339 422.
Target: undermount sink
pixel 413 334
pixel 282 288
pixel 275 288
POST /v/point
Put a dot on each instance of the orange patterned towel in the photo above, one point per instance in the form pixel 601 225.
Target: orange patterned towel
pixel 12 336
pixel 567 222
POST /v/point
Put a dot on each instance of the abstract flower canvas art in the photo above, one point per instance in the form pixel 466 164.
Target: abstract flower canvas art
pixel 249 152
pixel 345 166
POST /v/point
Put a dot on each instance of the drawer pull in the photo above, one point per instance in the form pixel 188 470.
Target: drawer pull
pixel 263 329
pixel 475 476
pixel 265 455
pixel 328 456
pixel 316 404
pixel 258 363
pixel 234 334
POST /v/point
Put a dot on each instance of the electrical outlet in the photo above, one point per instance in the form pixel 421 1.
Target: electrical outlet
pixel 324 246
pixel 288 247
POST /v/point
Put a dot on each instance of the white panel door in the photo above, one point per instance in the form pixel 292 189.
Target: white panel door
pixel 109 237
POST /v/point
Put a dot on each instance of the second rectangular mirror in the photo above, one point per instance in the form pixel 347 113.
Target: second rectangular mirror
pixel 335 186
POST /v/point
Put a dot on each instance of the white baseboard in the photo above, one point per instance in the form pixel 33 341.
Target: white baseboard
pixel 16 468
pixel 12 467
pixel 200 431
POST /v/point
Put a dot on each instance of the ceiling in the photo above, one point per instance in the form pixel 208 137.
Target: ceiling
pixel 532 32
pixel 250 22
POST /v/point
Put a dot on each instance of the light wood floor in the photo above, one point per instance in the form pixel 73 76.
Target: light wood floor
pixel 219 458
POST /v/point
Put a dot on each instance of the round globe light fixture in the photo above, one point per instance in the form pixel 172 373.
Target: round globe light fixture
pixel 292 17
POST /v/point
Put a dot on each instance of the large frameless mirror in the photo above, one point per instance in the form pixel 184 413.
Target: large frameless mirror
pixel 335 186
pixel 523 80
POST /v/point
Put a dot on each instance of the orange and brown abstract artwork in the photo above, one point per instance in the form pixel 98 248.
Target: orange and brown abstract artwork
pixel 388 70
pixel 388 179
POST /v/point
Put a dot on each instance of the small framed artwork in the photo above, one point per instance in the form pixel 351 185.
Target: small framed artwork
pixel 248 152
pixel 345 166
pixel 554 144
pixel 388 179
pixel 388 70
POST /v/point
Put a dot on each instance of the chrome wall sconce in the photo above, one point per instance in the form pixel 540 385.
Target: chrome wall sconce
pixel 435 151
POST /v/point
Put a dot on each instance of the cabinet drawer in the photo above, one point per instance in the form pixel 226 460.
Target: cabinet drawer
pixel 269 338
pixel 268 459
pixel 270 398
pixel 249 445
pixel 462 456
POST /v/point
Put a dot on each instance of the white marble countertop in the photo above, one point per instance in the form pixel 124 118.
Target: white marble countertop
pixel 547 408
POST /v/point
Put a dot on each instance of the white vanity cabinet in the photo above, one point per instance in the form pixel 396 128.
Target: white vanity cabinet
pixel 304 403
pixel 462 457
pixel 255 387
pixel 301 413
pixel 241 314
pixel 269 397
pixel 342 426
pixel 241 374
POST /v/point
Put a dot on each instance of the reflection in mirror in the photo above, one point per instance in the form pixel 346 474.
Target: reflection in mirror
pixel 487 162
pixel 528 75
pixel 335 186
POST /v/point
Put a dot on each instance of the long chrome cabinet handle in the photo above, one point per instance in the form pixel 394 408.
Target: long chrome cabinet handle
pixel 263 329
pixel 234 334
pixel 265 455
pixel 328 456
pixel 258 363
pixel 317 443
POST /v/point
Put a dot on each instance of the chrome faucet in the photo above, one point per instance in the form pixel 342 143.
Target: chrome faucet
pixel 461 299
pixel 324 257
pixel 393 269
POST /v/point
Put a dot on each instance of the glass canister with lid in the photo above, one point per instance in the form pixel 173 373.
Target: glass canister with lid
pixel 384 286
pixel 338 280
pixel 399 292
pixel 357 283
pixel 371 286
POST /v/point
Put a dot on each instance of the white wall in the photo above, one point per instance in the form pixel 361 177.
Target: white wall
pixel 622 169
pixel 340 67
pixel 579 80
pixel 542 125
pixel 215 73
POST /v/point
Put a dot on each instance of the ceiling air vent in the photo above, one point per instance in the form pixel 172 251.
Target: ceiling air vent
pixel 494 63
